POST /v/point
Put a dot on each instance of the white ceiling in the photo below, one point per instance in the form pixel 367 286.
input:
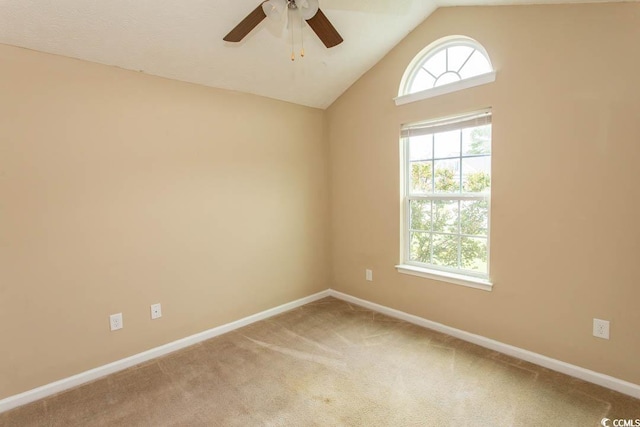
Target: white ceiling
pixel 182 40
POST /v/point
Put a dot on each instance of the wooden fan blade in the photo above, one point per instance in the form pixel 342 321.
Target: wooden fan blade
pixel 324 29
pixel 246 25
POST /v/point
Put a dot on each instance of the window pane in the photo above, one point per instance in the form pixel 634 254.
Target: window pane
pixel 420 214
pixel 445 216
pixel 421 177
pixel 445 250
pixel 476 65
pixel 473 254
pixel 447 179
pixel 422 81
pixel 476 174
pixel 421 147
pixel 473 217
pixel 446 144
pixel 476 140
pixel 437 64
pixel 420 247
pixel 457 56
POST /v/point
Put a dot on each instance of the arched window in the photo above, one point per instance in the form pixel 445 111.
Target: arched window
pixel 447 65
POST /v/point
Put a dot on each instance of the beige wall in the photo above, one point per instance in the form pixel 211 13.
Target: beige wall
pixel 565 237
pixel 119 190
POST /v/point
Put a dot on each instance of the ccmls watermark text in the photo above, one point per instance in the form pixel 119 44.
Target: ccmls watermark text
pixel 620 422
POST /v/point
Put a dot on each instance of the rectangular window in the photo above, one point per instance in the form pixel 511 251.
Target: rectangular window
pixel 446 195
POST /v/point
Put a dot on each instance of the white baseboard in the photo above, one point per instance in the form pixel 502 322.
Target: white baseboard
pixel 101 371
pixel 93 374
pixel 603 380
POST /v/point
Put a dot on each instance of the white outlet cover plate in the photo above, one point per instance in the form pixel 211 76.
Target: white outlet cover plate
pixel 601 328
pixel 156 311
pixel 368 274
pixel 115 321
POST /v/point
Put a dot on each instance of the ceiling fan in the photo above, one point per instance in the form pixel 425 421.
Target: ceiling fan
pixel 309 11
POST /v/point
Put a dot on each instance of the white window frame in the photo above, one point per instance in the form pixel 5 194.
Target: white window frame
pixel 441 273
pixel 405 97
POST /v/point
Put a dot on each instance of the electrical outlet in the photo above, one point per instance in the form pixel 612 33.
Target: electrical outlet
pixel 368 275
pixel 115 320
pixel 156 311
pixel 601 328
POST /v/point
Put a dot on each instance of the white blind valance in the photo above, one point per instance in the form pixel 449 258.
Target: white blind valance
pixel 478 118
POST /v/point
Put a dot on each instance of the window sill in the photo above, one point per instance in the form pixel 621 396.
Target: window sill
pixel 448 88
pixel 443 276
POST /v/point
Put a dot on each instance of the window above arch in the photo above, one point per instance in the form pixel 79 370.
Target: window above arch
pixel 447 65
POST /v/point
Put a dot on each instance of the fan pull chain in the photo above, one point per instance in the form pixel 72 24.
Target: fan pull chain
pixel 302 36
pixel 293 55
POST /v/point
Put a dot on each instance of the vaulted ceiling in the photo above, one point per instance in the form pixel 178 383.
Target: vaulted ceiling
pixel 182 40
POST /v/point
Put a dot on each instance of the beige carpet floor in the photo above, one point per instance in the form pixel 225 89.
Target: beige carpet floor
pixel 330 363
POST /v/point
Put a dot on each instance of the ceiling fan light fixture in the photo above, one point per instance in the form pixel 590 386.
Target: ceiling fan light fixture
pixel 274 9
pixel 308 8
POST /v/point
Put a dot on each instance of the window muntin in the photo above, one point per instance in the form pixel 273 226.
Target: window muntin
pixel 447 187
